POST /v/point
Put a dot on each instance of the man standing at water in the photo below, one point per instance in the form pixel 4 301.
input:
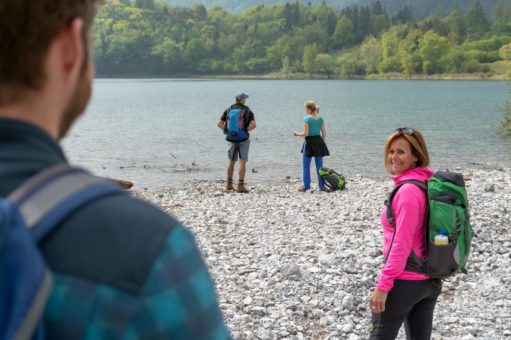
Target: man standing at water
pixel 236 122
pixel 121 267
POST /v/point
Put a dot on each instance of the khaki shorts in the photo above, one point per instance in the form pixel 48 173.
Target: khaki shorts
pixel 239 149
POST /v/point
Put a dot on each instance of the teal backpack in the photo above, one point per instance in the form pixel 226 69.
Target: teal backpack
pixel 236 120
pixel 448 231
pixel 333 180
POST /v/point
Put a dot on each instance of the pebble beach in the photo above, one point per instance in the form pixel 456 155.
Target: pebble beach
pixel 292 265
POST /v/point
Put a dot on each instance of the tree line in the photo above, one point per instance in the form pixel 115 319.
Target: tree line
pixel 148 38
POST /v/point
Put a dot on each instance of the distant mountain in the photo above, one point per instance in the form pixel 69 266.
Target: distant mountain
pixel 420 8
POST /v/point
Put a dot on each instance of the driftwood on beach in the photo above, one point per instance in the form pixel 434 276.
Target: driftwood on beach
pixel 123 183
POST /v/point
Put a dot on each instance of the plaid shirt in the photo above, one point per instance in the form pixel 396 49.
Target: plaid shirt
pixel 162 288
pixel 178 301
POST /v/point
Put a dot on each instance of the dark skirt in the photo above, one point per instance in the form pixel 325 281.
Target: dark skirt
pixel 315 146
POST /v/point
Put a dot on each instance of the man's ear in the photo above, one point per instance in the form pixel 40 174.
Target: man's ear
pixel 72 48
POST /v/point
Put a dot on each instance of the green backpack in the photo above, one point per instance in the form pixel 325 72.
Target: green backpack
pixel 448 231
pixel 333 180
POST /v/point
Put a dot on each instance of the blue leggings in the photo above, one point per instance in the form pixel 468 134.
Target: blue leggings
pixel 307 171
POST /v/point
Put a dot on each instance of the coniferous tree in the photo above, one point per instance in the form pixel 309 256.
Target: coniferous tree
pixel 476 21
pixel 377 9
pixel 404 16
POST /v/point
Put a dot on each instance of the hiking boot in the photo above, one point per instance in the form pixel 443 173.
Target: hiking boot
pixel 241 187
pixel 229 185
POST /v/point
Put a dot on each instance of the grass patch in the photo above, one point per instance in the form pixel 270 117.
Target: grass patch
pixel 502 67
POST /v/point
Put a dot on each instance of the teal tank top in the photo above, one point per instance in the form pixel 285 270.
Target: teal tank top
pixel 314 125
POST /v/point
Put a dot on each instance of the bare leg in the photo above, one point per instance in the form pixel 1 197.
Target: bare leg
pixel 230 169
pixel 241 181
pixel 243 167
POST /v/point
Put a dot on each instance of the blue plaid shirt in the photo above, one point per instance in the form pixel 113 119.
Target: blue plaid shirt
pixel 178 301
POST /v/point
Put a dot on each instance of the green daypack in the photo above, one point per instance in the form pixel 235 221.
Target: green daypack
pixel 447 215
pixel 333 180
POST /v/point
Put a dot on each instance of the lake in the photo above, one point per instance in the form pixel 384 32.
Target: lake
pixel 160 133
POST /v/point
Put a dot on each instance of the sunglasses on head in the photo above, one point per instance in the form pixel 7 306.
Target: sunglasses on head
pixel 406 130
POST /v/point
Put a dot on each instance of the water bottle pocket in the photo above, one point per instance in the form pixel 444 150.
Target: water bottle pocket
pixel 441 259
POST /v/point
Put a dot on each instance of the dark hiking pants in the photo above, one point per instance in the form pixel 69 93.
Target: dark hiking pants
pixel 411 302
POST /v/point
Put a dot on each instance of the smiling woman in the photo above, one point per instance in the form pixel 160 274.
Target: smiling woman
pixel 401 295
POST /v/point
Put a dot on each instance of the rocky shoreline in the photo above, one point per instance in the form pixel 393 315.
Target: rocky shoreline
pixel 289 265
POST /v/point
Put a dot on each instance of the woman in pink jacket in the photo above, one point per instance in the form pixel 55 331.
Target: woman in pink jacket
pixel 401 295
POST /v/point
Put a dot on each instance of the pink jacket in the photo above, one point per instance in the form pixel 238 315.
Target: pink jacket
pixel 409 206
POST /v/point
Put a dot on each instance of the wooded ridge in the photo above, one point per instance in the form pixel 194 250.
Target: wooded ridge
pixel 148 38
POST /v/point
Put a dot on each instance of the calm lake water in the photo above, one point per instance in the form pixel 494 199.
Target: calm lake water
pixel 163 132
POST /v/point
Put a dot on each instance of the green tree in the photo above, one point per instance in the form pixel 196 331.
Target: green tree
pixel 326 17
pixel 370 54
pixel 378 24
pixel 348 65
pixel 169 54
pixel 390 50
pixel 377 8
pixel 476 22
pixel 409 56
pixel 405 15
pixel 324 64
pixel 276 53
pixel 286 66
pixel 149 4
pixel 194 51
pixel 456 26
pixel 199 12
pixel 502 19
pixel 455 60
pixel 309 56
pixel 505 52
pixel 363 23
pixel 433 49
pixel 343 34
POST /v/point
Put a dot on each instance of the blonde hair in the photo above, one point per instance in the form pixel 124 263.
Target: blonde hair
pixel 309 104
pixel 417 143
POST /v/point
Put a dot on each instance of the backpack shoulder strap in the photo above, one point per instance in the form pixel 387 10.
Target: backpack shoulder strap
pixel 51 195
pixel 413 263
pixel 388 202
pixel 43 201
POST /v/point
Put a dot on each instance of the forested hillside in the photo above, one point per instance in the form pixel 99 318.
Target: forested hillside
pixel 147 38
pixel 421 8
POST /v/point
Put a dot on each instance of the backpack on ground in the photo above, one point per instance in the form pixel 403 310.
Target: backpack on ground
pixel 448 232
pixel 236 120
pixel 333 180
pixel 26 216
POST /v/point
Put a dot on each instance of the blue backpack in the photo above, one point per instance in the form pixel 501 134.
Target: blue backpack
pixel 235 125
pixel 26 217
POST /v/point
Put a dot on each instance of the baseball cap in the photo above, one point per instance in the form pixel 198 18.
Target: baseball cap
pixel 241 95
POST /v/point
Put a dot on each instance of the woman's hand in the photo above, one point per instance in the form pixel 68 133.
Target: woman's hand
pixel 296 134
pixel 377 301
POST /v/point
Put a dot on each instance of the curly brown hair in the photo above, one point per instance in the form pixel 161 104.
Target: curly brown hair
pixel 27 28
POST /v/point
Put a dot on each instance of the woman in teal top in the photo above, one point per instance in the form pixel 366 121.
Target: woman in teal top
pixel 314 131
